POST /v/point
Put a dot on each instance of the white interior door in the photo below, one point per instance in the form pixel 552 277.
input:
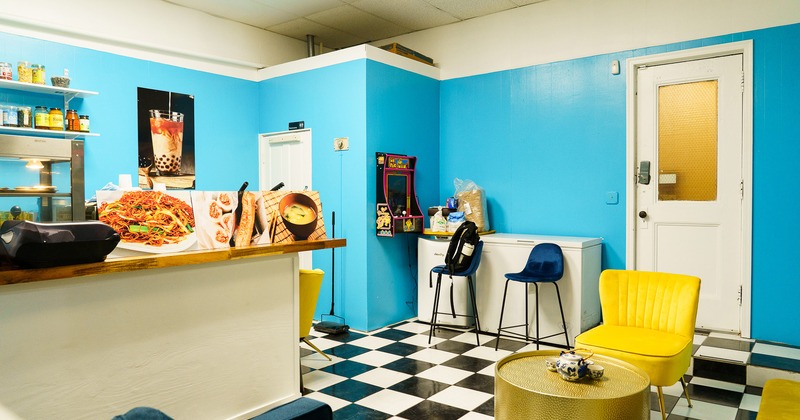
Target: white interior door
pixel 689 212
pixel 286 157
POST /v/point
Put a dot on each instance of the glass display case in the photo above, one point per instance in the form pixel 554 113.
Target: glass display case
pixel 41 179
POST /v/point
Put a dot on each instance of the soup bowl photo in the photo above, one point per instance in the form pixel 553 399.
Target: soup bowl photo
pixel 299 214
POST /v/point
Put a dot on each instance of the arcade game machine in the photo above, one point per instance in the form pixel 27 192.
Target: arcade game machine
pixel 398 210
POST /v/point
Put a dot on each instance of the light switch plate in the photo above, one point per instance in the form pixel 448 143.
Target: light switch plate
pixel 341 143
pixel 612 197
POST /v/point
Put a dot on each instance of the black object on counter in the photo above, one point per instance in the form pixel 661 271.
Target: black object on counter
pixel 238 213
pixel 39 245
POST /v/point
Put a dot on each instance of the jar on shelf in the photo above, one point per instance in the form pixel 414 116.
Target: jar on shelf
pixel 24 117
pixel 73 122
pixel 10 116
pixel 41 118
pixel 84 121
pixel 5 71
pixel 56 119
pixel 24 72
pixel 38 74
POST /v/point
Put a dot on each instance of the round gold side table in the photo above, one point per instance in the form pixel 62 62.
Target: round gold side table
pixel 525 389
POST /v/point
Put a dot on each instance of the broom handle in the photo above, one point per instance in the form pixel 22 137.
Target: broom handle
pixel 333 256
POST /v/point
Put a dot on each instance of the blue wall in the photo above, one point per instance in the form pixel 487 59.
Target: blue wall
pixel 380 108
pixel 332 102
pixel 548 141
pixel 402 118
pixel 226 110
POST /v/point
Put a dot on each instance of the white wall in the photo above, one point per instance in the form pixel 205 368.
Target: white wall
pixel 556 30
pixel 153 30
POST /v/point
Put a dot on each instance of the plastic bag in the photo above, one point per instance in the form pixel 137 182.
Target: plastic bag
pixel 454 220
pixel 438 222
pixel 472 201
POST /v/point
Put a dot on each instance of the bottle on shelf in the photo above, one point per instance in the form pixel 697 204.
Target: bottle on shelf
pixel 73 122
pixel 56 119
pixel 24 72
pixel 41 118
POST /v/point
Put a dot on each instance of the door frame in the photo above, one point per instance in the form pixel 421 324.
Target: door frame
pixel 746 49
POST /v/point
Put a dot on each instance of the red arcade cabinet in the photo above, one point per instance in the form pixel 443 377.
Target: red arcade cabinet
pixel 398 210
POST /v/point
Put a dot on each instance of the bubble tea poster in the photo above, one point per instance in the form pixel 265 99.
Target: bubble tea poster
pixel 166 139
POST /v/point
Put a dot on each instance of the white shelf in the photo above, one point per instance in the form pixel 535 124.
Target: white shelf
pixel 50 90
pixel 71 135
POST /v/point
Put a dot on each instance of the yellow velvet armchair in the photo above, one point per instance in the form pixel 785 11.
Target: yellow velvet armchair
pixel 648 321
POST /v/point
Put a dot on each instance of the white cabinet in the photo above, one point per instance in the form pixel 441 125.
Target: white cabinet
pixel 506 253
pixel 431 253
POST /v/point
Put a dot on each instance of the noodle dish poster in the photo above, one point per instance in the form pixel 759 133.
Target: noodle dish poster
pixel 175 221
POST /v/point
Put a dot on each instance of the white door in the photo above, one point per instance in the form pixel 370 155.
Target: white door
pixel 689 213
pixel 286 157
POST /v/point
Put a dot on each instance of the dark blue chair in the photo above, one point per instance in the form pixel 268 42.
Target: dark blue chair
pixel 469 273
pixel 545 265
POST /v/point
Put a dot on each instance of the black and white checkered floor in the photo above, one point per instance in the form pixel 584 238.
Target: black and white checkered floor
pixel 393 373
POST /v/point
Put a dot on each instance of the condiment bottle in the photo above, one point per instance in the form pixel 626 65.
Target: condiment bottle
pixel 38 75
pixel 24 72
pixel 84 123
pixel 41 118
pixel 5 71
pixel 56 119
pixel 73 122
pixel 24 117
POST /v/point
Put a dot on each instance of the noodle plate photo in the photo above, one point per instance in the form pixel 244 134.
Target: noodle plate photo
pixel 149 221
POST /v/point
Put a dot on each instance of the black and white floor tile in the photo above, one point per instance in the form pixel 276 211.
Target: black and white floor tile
pixel 393 373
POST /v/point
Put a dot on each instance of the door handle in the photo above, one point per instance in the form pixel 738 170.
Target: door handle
pixel 642 214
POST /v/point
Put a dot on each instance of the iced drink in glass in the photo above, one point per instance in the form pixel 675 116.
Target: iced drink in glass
pixel 166 130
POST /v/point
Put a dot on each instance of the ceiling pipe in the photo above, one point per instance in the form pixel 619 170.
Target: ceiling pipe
pixel 310 45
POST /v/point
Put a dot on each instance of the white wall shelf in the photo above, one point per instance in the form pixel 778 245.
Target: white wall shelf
pixel 60 134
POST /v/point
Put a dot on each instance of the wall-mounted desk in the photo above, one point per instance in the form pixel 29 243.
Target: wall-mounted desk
pixel 206 334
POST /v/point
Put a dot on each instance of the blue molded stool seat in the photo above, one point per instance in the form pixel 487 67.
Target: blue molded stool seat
pixel 468 273
pixel 300 409
pixel 545 265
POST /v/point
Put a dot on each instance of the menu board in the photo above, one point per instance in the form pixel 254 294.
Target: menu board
pixel 174 221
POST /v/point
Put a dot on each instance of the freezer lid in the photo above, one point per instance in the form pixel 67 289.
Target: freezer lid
pixel 576 242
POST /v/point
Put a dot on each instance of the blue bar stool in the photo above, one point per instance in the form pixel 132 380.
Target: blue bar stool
pixel 545 265
pixel 468 273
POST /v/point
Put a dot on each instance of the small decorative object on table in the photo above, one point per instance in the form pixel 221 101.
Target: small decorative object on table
pixel 572 366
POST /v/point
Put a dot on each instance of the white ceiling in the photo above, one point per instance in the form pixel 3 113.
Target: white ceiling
pixel 344 23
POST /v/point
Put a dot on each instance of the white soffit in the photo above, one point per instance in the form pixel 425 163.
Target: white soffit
pixel 349 54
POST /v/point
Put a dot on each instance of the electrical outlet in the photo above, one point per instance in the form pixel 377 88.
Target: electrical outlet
pixel 341 143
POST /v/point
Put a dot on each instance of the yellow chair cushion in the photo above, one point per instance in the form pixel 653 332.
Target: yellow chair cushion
pixel 664 356
pixel 780 399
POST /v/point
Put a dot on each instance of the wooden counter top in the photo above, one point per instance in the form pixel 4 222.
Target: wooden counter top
pixel 13 275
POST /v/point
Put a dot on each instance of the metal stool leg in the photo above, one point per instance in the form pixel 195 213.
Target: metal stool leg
pixel 435 305
pixel 561 308
pixel 474 310
pixel 527 327
pixel 502 309
pixel 536 286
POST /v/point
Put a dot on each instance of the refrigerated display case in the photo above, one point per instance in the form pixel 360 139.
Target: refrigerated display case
pixel 43 179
